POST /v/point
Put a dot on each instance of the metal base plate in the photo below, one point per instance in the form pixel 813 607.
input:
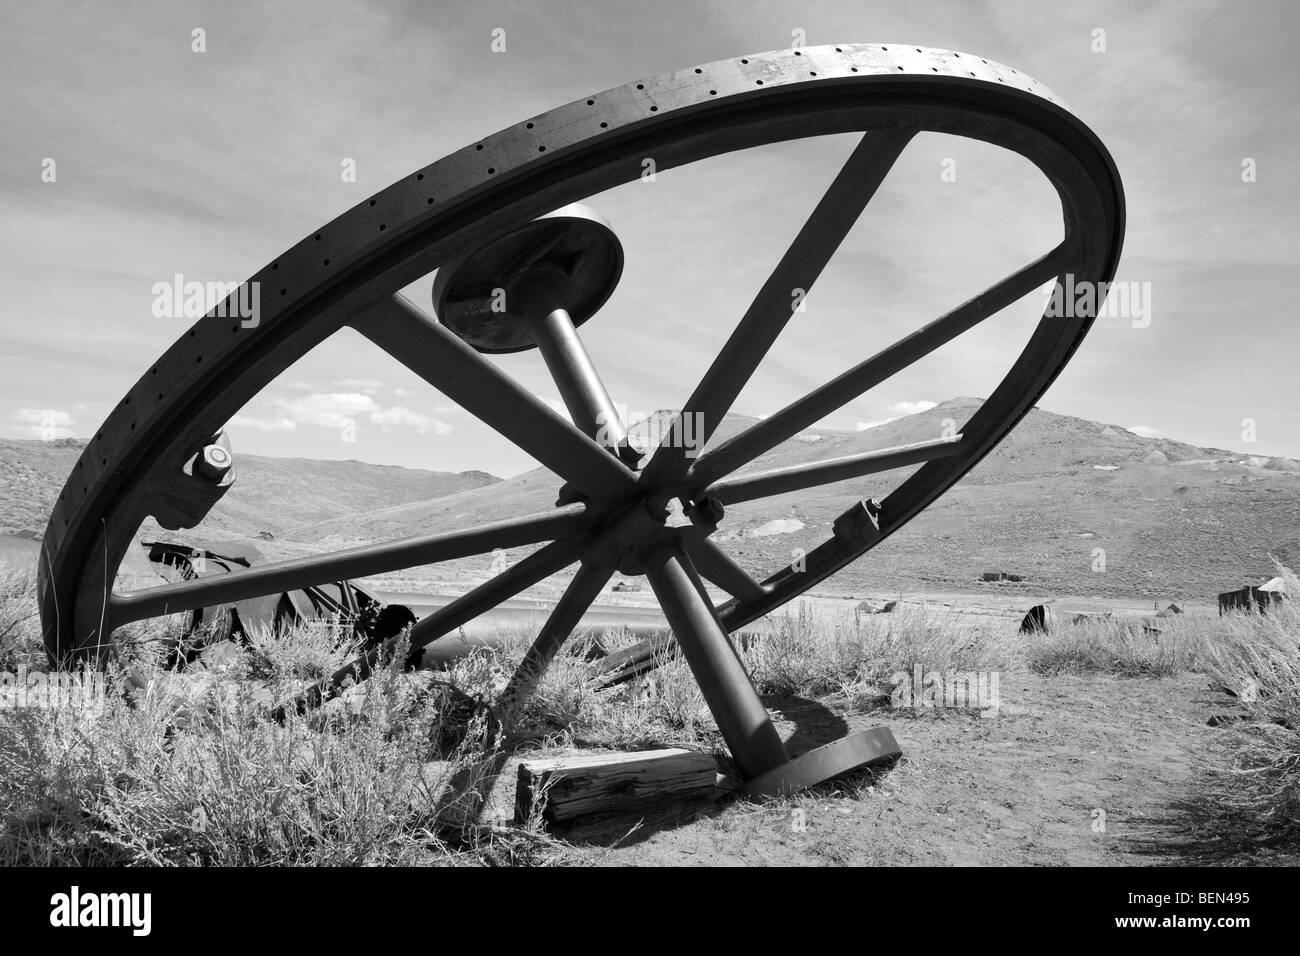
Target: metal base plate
pixel 468 295
pixel 851 752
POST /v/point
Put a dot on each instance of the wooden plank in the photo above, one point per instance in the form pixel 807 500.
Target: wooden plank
pixel 591 786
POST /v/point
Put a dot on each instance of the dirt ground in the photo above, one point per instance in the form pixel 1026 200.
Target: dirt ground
pixel 1072 771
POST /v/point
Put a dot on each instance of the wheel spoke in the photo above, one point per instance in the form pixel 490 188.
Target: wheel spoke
pixel 772 308
pixel 341 565
pixel 798 477
pixel 815 406
pixel 470 786
pixel 742 720
pixel 718 567
pixel 537 566
pixel 565 616
pixel 435 354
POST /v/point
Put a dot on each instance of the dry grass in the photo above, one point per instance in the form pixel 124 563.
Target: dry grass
pixel 20 644
pixel 1120 648
pixel 664 708
pixel 806 655
pixel 1251 792
pixel 188 769
pixel 1256 786
pixel 197 775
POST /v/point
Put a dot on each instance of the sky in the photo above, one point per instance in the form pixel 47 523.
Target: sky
pixel 210 164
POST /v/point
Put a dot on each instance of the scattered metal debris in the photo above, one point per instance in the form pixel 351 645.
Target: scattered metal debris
pixel 355 610
pixel 1041 619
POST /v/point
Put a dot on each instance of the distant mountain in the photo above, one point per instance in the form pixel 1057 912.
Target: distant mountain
pixel 1057 501
pixel 269 494
pixel 287 493
pixel 31 476
pixel 1170 519
pixel 1075 506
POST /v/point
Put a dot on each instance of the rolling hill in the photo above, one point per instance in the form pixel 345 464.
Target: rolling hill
pixel 1075 506
pixel 1171 519
pixel 269 494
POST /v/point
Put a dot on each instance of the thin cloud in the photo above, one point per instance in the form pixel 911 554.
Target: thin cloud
pixel 340 409
pixel 401 418
pixel 1145 431
pixel 903 408
pixel 911 408
pixel 327 409
pixel 278 424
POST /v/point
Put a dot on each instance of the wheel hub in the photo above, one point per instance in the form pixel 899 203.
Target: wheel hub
pixel 648 522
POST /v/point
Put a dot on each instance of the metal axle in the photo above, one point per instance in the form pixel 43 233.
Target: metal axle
pixel 579 383
pixel 540 296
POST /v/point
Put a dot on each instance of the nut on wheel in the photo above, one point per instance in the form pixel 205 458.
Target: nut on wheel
pixel 213 463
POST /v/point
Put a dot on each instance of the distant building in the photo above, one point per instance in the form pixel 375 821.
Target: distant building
pixel 1252 599
pixel 1001 576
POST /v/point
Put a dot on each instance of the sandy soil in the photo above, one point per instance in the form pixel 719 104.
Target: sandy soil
pixel 1073 771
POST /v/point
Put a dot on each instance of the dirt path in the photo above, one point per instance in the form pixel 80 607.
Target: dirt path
pixel 1029 786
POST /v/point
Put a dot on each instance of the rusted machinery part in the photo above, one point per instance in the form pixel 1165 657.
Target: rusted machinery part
pixel 148 459
pixel 632 662
pixel 342 602
pixel 649 653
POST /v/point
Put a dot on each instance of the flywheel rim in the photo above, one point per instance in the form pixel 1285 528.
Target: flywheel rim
pixel 411 227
